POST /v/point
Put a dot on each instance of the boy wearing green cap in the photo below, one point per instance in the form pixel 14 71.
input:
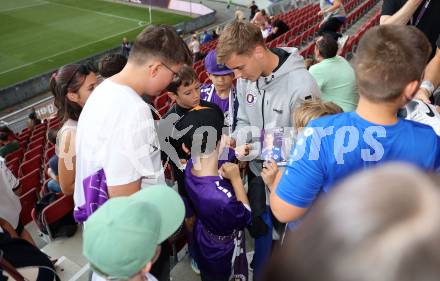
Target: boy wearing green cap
pixel 122 238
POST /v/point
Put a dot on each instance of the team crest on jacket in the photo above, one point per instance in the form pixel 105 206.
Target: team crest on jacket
pixel 251 98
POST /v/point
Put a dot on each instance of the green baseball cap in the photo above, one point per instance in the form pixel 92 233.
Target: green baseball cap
pixel 121 237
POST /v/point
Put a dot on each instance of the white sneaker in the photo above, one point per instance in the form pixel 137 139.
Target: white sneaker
pixel 195 267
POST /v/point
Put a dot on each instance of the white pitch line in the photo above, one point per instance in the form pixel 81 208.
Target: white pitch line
pixel 92 11
pixel 23 7
pixel 66 51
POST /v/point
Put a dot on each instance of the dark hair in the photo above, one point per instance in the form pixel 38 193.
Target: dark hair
pixel 327 46
pixel 68 78
pixel 388 58
pixel 186 76
pixel 33 115
pixel 52 135
pixel 3 136
pixel 160 41
pixel 111 64
pixel 381 224
pixel 196 120
pixel 5 129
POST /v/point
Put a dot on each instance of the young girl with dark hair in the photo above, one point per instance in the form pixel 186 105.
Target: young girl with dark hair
pixel 71 86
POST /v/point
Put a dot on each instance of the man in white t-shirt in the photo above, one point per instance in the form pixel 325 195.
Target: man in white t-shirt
pixel 10 206
pixel 116 143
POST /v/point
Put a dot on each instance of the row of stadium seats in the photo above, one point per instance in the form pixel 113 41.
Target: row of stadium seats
pixel 302 33
pixel 28 164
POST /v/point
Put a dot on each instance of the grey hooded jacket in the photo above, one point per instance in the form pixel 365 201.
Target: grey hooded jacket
pixel 270 101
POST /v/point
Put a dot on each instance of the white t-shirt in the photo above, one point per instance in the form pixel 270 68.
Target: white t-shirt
pixel 10 206
pixel 116 133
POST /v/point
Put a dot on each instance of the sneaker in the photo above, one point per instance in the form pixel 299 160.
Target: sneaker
pixel 195 267
pixel 341 41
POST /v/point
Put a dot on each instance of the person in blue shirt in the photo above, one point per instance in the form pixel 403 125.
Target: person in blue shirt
pixel 389 65
pixel 206 37
pixel 53 185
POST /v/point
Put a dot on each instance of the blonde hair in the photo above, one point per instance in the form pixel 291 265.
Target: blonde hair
pixel 313 109
pixel 238 37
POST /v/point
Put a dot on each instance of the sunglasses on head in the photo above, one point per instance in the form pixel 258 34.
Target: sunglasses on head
pixel 84 69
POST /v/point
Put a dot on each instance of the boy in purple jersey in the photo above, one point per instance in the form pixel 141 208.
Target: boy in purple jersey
pixel 218 197
pixel 184 91
pixel 221 91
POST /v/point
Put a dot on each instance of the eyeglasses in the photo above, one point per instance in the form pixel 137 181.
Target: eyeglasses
pixel 175 75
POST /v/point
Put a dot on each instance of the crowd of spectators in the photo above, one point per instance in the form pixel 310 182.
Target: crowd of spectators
pixel 353 187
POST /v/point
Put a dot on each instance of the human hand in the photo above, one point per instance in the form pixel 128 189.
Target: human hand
pixel 243 150
pixel 269 172
pixel 230 171
pixel 229 142
pixel 320 13
pixel 423 95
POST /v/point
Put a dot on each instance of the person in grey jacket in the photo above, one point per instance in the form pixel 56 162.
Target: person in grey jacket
pixel 271 84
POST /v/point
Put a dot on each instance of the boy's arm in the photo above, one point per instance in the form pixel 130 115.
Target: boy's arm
pixel 432 74
pixel 232 172
pixel 301 182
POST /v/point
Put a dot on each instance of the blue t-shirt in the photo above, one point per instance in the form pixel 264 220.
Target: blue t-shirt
pixel 53 164
pixel 333 147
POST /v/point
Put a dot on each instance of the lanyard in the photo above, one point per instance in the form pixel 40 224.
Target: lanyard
pixel 422 12
pixel 231 109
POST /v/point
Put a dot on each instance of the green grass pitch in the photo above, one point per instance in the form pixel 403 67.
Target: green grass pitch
pixel 39 35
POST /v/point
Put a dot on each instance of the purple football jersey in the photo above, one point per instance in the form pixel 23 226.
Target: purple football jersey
pixel 220 223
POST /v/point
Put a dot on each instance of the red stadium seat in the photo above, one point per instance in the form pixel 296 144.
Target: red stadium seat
pixel 161 100
pixel 30 165
pixel 162 111
pixel 24 136
pixel 49 153
pixel 27 201
pixel 35 136
pixel 203 76
pixel 272 44
pixel 13 162
pixel 55 211
pixel 14 169
pixel 35 143
pixel 33 152
pixel 16 154
pixel 199 69
pixel 29 181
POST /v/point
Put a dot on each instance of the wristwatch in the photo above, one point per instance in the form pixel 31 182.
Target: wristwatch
pixel 428 86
